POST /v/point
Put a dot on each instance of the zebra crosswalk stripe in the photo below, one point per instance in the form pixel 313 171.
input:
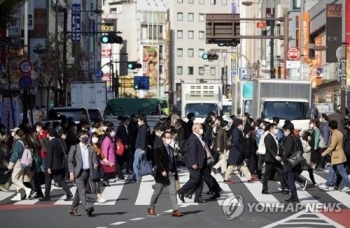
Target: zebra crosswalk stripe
pixel 61 200
pixel 145 191
pixel 227 192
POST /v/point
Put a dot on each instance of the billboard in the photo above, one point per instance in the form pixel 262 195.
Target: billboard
pixel 315 64
pixel 333 31
pixel 304 34
pixel 76 22
pixel 150 66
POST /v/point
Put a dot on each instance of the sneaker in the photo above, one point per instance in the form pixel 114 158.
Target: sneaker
pixel 101 200
pixel 4 188
pixel 28 191
pixel 18 197
pixel 304 185
pixel 280 189
pixel 324 187
pixel 346 189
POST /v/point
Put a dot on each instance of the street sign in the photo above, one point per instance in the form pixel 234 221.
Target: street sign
pixel 293 53
pixel 26 67
pixel 99 74
pixel 25 82
pixel 290 64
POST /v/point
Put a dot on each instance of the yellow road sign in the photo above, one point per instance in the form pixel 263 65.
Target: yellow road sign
pixel 107 28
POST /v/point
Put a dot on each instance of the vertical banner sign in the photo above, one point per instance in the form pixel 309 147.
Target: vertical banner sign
pixel 76 22
pixel 333 31
pixel 347 41
pixel 304 34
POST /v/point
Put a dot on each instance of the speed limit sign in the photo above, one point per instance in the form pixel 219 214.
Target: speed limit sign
pixel 26 67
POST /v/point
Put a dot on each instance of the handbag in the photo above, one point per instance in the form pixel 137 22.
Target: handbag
pixel 296 158
pixel 108 169
pixel 120 148
pixel 145 167
pixel 95 174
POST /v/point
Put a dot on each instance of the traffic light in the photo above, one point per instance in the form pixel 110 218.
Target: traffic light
pixel 228 44
pixel 134 65
pixel 207 56
pixel 111 38
pixel 141 83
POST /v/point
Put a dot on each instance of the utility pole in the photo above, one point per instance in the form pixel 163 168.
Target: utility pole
pixel 64 58
pixel 272 43
pixel 56 78
pixel 343 64
pixel 25 91
pixel 301 38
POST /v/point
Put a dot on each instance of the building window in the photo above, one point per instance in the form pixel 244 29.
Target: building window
pixel 201 17
pixel 180 16
pixel 179 70
pixel 179 52
pixel 190 17
pixel 179 34
pixel 201 35
pixel 113 10
pixel 190 71
pixel 190 52
pixel 201 70
pixel 191 34
pixel 202 2
pixel 201 52
pixel 212 71
pixel 190 1
pixel 224 2
pixel 212 2
pixel 180 1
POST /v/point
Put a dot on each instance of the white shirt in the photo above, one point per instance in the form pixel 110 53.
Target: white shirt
pixel 85 156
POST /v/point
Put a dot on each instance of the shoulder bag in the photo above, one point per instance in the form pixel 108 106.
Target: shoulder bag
pixel 296 158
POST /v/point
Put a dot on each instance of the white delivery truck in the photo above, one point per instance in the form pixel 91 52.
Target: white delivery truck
pixel 283 98
pixel 242 94
pixel 200 99
pixel 89 95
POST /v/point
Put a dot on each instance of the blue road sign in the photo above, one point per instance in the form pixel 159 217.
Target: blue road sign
pixel 99 74
pixel 25 82
pixel 141 83
pixel 233 73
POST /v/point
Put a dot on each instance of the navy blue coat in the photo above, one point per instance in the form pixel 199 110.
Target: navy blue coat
pixel 236 155
pixel 195 153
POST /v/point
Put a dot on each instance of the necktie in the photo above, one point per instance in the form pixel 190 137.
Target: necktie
pixel 170 154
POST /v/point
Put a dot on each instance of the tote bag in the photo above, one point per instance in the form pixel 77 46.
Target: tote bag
pixel 145 167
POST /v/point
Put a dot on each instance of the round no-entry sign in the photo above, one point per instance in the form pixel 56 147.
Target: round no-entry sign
pixel 26 67
pixel 293 53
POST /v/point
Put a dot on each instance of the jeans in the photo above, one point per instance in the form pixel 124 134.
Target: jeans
pixel 43 164
pixel 136 164
pixel 342 172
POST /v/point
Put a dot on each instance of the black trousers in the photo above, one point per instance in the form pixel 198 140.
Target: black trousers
pixel 210 180
pixel 59 176
pixel 195 182
pixel 290 178
pixel 269 167
pixel 36 183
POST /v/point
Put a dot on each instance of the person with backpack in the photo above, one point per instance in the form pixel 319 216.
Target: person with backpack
pixel 20 165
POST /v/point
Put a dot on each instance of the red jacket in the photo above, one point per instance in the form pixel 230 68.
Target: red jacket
pixel 43 142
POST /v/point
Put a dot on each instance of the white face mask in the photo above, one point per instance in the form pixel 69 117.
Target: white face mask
pixel 286 133
pixel 167 141
pixel 311 126
pixel 112 134
pixel 275 132
pixel 94 140
pixel 200 132
pixel 256 128
pixel 13 134
pixel 139 123
pixel 104 128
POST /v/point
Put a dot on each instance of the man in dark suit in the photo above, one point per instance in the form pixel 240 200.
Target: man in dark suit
pixel 272 158
pixel 166 175
pixel 81 160
pixel 55 166
pixel 195 162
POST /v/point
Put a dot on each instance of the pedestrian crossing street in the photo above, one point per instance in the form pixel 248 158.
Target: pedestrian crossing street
pixel 140 194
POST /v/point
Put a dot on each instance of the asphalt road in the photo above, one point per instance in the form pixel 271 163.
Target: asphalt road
pixel 127 207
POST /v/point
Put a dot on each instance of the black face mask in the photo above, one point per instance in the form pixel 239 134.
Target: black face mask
pixel 84 139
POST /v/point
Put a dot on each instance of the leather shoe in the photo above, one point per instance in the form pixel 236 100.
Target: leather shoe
pixel 89 211
pixel 292 200
pixel 265 192
pixel 181 196
pixel 74 213
pixel 151 212
pixel 69 198
pixel 199 201
pixel 215 196
pixel 45 199
pixel 177 214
